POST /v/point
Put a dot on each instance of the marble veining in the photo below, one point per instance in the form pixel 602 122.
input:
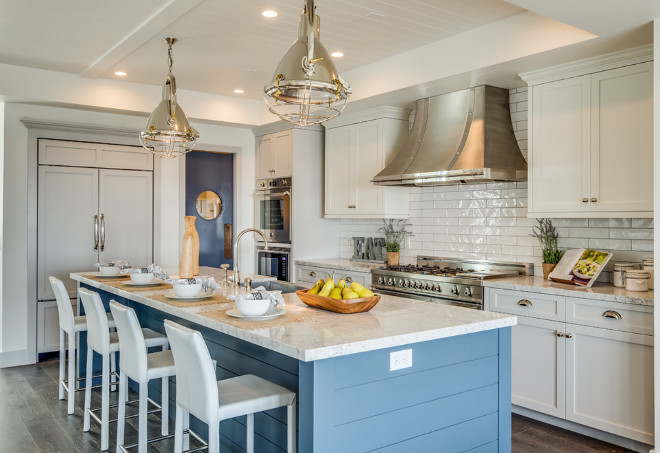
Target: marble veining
pixel 321 334
pixel 341 264
pixel 599 291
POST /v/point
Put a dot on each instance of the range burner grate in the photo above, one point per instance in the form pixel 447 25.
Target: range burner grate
pixel 428 270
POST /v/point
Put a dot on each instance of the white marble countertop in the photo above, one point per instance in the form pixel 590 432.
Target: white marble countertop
pixel 341 264
pixel 314 334
pixel 600 291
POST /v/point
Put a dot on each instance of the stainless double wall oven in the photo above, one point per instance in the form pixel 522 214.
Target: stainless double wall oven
pixel 274 211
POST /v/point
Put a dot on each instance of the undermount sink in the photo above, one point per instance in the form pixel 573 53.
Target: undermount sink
pixel 276 285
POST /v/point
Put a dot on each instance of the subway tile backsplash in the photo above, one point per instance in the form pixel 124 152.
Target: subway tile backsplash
pixel 489 221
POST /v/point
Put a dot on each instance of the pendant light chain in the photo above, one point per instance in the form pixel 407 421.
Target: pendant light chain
pixel 170 60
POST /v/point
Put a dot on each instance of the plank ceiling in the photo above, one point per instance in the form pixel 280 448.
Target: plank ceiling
pixel 224 44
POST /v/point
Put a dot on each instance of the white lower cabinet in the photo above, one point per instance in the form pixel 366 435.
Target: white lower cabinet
pixel 588 362
pixel 311 274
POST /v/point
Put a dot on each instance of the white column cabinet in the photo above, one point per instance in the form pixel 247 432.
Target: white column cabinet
pixel 356 149
pixel 591 139
pixel 589 362
pixel 274 154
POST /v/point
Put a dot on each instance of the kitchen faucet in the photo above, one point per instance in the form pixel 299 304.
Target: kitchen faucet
pixel 237 276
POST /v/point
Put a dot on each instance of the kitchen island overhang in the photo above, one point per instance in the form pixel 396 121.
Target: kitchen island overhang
pixel 456 394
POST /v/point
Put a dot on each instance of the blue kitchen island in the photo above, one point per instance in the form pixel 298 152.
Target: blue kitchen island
pixel 453 393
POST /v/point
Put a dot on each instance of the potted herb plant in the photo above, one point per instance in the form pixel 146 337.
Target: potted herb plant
pixel 395 233
pixel 547 236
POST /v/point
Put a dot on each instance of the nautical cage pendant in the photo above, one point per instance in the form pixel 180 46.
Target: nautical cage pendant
pixel 306 88
pixel 168 132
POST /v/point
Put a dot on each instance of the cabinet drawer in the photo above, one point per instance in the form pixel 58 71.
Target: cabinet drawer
pixel 311 274
pixel 544 306
pixel 594 313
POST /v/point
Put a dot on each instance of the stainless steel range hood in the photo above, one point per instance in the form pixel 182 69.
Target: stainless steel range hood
pixel 460 137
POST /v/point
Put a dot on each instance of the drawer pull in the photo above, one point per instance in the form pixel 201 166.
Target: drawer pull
pixel 585 200
pixel 594 200
pixel 569 335
pixel 525 303
pixel 312 274
pixel 560 334
pixel 612 314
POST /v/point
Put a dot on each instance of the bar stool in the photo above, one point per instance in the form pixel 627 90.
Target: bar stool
pixel 106 343
pixel 199 393
pixel 137 364
pixel 70 325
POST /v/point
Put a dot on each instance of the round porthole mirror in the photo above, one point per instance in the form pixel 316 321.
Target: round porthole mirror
pixel 209 205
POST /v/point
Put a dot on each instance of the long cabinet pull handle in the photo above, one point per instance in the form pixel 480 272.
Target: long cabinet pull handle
pixel 96 232
pixel 612 314
pixel 102 232
pixel 525 303
pixel 560 334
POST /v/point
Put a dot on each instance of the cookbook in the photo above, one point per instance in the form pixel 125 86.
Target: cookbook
pixel 580 267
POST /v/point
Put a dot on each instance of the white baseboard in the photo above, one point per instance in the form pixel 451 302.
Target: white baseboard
pixel 584 430
pixel 16 358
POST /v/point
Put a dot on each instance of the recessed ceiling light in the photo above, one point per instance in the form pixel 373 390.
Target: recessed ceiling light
pixel 120 73
pixel 239 91
pixel 337 54
pixel 269 13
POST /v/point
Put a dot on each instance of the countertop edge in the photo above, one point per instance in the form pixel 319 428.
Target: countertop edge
pixel 343 264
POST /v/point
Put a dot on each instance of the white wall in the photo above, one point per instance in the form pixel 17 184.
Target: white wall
pixel 18 303
pixel 656 194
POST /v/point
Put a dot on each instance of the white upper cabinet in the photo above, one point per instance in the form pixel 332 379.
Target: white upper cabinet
pixel 591 139
pixel 356 149
pixel 98 155
pixel 274 155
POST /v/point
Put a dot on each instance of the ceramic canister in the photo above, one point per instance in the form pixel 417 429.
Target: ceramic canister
pixel 637 280
pixel 617 274
pixel 647 265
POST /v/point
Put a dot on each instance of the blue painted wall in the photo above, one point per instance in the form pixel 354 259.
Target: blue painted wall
pixel 210 171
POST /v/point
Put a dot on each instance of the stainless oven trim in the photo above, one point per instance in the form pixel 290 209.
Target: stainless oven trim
pixel 284 235
pixel 437 300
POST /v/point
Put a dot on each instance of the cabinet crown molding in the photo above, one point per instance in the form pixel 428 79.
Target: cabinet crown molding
pixel 32 123
pixel 376 113
pixel 279 126
pixel 591 65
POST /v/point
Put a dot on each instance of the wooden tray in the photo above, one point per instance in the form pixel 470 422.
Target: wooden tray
pixel 336 305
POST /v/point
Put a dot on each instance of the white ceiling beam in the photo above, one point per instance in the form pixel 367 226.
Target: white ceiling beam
pixel 159 20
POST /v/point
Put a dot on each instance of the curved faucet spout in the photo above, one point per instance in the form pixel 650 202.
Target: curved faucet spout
pixel 237 275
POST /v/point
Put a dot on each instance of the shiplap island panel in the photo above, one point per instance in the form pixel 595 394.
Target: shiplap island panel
pixel 456 394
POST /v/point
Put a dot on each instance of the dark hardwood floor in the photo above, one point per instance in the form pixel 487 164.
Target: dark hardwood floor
pixel 33 419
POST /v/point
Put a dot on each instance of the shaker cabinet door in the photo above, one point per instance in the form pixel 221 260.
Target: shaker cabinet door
pixel 338 168
pixel 68 202
pixel 126 216
pixel 560 146
pixel 537 365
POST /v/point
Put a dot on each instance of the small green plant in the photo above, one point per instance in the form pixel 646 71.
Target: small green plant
pixel 547 236
pixel 395 233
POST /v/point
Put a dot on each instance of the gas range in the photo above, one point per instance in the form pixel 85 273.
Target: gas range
pixel 446 280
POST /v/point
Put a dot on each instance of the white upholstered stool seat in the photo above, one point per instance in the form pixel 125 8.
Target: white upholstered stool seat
pixel 135 363
pixel 70 325
pixel 106 343
pixel 211 401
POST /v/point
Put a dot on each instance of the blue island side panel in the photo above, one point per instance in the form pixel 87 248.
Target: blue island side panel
pixel 453 399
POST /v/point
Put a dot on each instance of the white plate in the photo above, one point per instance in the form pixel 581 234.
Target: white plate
pixel 132 283
pixel 172 295
pixel 237 314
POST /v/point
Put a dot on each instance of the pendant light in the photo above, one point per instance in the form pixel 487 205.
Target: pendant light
pixel 168 132
pixel 306 88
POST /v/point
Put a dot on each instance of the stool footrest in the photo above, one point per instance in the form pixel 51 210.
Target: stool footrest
pixel 125 448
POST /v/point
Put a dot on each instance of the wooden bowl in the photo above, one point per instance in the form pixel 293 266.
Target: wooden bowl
pixel 336 305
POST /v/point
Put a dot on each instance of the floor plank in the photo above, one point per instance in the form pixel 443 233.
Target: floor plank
pixel 33 419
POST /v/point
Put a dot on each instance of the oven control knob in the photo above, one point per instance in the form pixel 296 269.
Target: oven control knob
pixel 390 281
pixel 454 290
pixel 381 280
pixel 426 286
pixel 263 184
pixel 468 292
pixel 406 283
pixel 438 288
pixel 400 283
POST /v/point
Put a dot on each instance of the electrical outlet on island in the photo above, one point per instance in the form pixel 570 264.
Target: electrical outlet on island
pixel 400 359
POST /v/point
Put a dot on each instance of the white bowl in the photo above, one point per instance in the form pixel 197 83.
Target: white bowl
pixel 142 279
pixel 252 307
pixel 109 271
pixel 187 290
